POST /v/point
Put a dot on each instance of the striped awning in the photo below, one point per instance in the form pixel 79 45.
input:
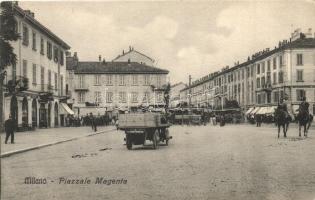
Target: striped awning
pixel 255 110
pixel 65 109
pixel 249 110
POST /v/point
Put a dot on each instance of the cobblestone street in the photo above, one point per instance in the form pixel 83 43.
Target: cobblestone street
pixel 206 162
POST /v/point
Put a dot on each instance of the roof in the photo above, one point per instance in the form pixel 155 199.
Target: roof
pixel 296 44
pixel 117 68
pixel 119 56
pixel 71 63
pixel 179 83
pixel 41 27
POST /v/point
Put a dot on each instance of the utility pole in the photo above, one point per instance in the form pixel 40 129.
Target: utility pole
pixel 189 95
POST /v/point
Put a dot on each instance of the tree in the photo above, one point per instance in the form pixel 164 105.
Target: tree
pixel 8 33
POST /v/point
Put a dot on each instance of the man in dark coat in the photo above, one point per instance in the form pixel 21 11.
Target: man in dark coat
pixel 93 122
pixel 9 127
pixel 304 106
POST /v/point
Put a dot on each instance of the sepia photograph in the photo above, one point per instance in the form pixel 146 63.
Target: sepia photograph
pixel 157 100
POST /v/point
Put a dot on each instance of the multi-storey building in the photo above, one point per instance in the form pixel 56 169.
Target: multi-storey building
pixel 175 93
pixel 264 79
pixel 40 70
pixel 135 56
pixel 99 85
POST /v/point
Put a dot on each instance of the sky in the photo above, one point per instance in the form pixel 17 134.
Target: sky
pixel 185 37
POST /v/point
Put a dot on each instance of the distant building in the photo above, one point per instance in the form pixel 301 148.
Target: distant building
pixel 175 93
pixel 99 85
pixel 38 78
pixel 134 56
pixel 264 79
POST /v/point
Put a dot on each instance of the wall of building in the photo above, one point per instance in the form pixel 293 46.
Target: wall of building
pixel 29 63
pixel 90 89
pixel 245 84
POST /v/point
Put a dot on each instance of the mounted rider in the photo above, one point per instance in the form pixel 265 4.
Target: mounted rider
pixel 303 108
pixel 283 106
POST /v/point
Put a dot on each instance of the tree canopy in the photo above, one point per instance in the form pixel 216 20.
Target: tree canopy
pixel 8 33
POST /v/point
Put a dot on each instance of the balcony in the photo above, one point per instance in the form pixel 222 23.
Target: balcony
pixel 16 84
pixel 267 87
pixel 81 87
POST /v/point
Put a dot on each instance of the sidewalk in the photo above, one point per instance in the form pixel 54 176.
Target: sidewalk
pixel 26 141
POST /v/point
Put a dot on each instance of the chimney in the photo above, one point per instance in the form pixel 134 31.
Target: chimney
pixel 104 61
pixel 128 60
pixel 29 13
pixel 123 53
pixel 100 58
pixel 75 55
pixel 129 48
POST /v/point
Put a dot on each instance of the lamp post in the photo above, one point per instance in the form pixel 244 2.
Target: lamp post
pixel 154 97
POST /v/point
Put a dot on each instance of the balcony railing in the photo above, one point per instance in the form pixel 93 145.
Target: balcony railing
pixel 16 84
pixel 267 87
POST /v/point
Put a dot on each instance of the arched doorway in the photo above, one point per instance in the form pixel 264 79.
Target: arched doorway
pixel 56 113
pixel 49 113
pixel 42 116
pixel 34 113
pixel 24 112
pixel 14 110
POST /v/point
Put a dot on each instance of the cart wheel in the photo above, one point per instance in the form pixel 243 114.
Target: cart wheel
pixel 128 143
pixel 156 139
pixel 167 133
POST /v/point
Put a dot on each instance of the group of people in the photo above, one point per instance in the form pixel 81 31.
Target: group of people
pixel 88 119
pixel 303 108
pixel 283 107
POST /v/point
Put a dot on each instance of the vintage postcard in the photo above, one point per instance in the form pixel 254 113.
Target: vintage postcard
pixel 170 100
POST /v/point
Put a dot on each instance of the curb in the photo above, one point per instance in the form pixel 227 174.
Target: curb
pixel 10 153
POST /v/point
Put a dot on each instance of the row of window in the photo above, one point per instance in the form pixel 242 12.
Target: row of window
pixel 278 95
pixel 42 77
pixel 277 78
pixel 53 52
pixel 121 80
pixel 261 66
pixel 123 97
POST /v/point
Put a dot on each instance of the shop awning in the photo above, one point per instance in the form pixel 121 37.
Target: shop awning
pixel 261 111
pixel 65 109
pixel 255 110
pixel 271 110
pixel 249 110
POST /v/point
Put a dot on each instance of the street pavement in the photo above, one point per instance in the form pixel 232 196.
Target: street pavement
pixel 201 162
pixel 42 137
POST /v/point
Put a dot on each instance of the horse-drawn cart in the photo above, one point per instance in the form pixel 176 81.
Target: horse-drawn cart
pixel 140 127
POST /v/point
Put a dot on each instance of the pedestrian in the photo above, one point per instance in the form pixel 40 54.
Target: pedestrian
pixel 9 127
pixel 92 121
pixel 222 120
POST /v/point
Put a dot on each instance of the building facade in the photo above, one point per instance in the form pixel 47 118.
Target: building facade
pixel 35 86
pixel 287 71
pixel 175 93
pixel 134 56
pixel 100 86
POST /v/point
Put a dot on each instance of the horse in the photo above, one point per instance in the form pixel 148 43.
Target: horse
pixel 283 120
pixel 305 119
